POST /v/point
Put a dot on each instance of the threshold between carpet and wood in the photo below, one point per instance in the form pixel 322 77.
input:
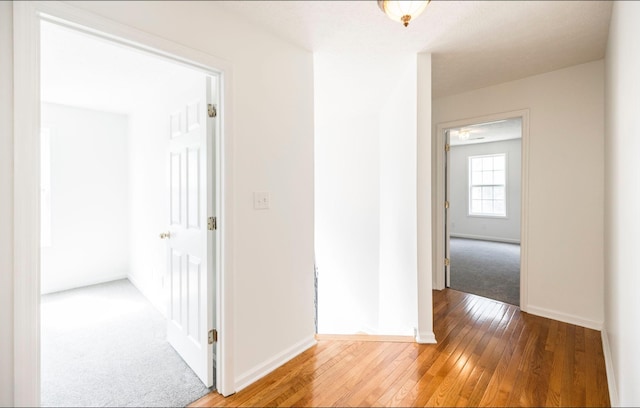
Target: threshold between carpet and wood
pixel 489 353
pixel 105 345
pixel 486 268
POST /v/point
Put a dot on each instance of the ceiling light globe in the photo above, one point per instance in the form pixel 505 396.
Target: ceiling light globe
pixel 403 11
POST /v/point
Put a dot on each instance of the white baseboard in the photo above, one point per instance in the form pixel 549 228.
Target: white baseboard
pixel 82 284
pixel 565 317
pixel 611 376
pixel 426 338
pixel 151 297
pixel 484 238
pixel 250 376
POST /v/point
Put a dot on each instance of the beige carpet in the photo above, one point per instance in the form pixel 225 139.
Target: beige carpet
pixel 486 268
pixel 104 346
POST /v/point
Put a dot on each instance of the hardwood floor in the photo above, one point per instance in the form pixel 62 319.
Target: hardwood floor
pixel 488 354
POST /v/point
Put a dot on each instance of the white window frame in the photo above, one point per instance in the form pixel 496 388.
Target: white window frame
pixel 470 212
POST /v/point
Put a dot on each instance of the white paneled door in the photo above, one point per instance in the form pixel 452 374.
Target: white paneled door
pixel 190 242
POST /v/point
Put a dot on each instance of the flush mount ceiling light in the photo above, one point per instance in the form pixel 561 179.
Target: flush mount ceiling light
pixel 403 11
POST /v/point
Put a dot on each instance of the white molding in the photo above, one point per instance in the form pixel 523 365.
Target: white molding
pixel 438 261
pixel 426 338
pixel 26 210
pixel 565 317
pixel 524 213
pixel 26 213
pixel 88 283
pixel 614 398
pixel 257 372
pixel 424 194
pixel 485 238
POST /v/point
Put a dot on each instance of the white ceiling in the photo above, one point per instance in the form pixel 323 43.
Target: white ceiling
pixel 475 43
pixel 82 70
pixel 487 132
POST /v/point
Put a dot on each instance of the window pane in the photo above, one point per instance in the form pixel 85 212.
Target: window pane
pixel 487 206
pixel 487 177
pixel 476 164
pixel 487 185
pixel 476 178
pixel 476 206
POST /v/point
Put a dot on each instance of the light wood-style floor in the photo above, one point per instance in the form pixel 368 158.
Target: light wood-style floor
pixel 488 354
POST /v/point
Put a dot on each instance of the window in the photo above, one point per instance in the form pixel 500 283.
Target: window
pixel 487 185
pixel 45 187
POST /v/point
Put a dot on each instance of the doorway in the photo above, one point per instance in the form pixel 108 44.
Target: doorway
pixel 481 229
pixel 482 226
pixel 129 153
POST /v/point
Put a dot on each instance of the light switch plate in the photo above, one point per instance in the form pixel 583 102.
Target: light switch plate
pixel 260 200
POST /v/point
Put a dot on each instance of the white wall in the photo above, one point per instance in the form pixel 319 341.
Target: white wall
pixel 272 126
pixel 365 197
pixel 148 188
pixel 89 198
pixel 622 201
pixel 6 203
pixel 398 297
pixel 347 220
pixel 490 228
pixel 566 167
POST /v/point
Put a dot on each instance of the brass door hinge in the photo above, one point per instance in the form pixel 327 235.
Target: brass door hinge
pixel 212 111
pixel 213 336
pixel 447 147
pixel 447 262
pixel 446 204
pixel 212 224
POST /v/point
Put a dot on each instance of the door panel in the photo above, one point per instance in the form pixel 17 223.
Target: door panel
pixel 189 252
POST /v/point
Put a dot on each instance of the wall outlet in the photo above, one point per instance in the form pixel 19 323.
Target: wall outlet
pixel 261 200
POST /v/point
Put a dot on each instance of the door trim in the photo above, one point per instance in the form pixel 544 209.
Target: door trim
pixel 26 270
pixel 438 208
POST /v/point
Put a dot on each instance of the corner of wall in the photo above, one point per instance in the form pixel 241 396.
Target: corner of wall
pixel 614 398
pixel 426 338
pixel 260 370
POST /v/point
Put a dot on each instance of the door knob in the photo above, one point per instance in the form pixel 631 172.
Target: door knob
pixel 165 235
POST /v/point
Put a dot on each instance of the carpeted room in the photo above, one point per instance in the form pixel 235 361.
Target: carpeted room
pixel 104 278
pixel 484 168
pixel 105 345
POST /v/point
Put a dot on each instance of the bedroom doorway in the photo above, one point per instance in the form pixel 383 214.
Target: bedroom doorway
pixel 128 257
pixel 483 208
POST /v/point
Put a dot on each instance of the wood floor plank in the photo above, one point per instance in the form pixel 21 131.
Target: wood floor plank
pixel 420 395
pixel 554 392
pixel 579 396
pixel 509 363
pixel 568 369
pixel 599 398
pixel 488 354
pixel 459 368
pixel 493 386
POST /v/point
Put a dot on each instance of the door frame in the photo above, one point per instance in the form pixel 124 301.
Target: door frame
pixel 439 210
pixel 26 269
